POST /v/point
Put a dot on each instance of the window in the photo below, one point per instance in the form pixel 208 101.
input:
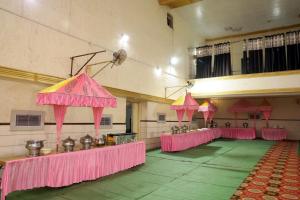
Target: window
pixel 254 115
pixel 106 122
pixel 161 117
pixel 170 20
pixel 26 120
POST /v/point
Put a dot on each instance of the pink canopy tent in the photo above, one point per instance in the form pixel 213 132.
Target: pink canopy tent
pixel 80 91
pixel 243 106
pixel 208 109
pixel 187 104
pixel 266 108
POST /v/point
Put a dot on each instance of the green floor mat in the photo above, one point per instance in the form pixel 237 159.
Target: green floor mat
pixel 187 190
pixel 169 168
pixel 215 176
pixel 242 157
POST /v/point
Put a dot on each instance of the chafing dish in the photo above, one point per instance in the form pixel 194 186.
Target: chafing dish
pixel 184 128
pixel 175 129
pixel 121 138
pixel 34 147
pixel 86 142
pixel 68 144
pixel 100 141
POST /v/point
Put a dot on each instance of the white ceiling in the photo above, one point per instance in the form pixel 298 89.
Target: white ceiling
pixel 211 17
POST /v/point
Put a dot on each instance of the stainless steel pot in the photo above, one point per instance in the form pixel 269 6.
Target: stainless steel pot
pixel 34 147
pixel 100 141
pixel 86 141
pixel 68 144
pixel 175 129
pixel 184 129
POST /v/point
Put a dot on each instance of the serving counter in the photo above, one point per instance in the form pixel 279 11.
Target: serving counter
pixel 274 133
pixel 238 133
pixel 183 141
pixel 64 169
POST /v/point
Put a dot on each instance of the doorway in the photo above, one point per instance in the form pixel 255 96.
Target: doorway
pixel 133 117
pixel 128 117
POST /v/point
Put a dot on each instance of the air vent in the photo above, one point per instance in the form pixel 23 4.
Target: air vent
pixel 106 122
pixel 161 117
pixel 233 29
pixel 170 20
pixel 26 120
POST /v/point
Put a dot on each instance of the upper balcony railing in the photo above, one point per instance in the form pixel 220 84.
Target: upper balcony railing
pixel 259 84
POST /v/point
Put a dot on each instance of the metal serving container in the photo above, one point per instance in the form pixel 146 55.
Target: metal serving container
pixel 86 142
pixel 184 128
pixel 121 138
pixel 68 144
pixel 34 147
pixel 100 141
pixel 175 129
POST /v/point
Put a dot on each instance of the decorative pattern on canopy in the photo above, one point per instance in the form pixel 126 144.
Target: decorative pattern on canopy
pixel 266 108
pixel 80 90
pixel 242 106
pixel 185 103
pixel 208 109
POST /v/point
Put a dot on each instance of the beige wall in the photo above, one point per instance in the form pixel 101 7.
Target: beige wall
pixel 286 114
pixel 41 36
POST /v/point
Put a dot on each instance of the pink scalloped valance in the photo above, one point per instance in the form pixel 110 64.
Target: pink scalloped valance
pixel 75 100
pixel 243 105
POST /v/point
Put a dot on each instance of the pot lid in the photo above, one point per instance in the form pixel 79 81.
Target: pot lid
pixel 87 137
pixel 69 139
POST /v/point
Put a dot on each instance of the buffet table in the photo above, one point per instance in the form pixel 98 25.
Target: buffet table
pixel 238 133
pixel 273 133
pixel 183 141
pixel 64 169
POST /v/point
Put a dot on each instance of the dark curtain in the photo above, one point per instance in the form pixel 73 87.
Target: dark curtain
pixel 203 62
pixel 244 63
pixel 203 67
pixel 293 50
pixel 255 61
pixel 252 61
pixel 275 58
pixel 222 60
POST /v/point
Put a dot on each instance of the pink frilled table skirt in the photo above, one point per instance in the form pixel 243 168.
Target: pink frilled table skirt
pixel 238 133
pixel 64 169
pixel 274 133
pixel 179 142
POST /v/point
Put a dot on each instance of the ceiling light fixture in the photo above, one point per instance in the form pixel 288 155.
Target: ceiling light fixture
pixel 276 11
pixel 124 39
pixel 158 71
pixel 173 60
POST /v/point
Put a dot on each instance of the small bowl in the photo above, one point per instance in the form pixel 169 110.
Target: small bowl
pixel 46 151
